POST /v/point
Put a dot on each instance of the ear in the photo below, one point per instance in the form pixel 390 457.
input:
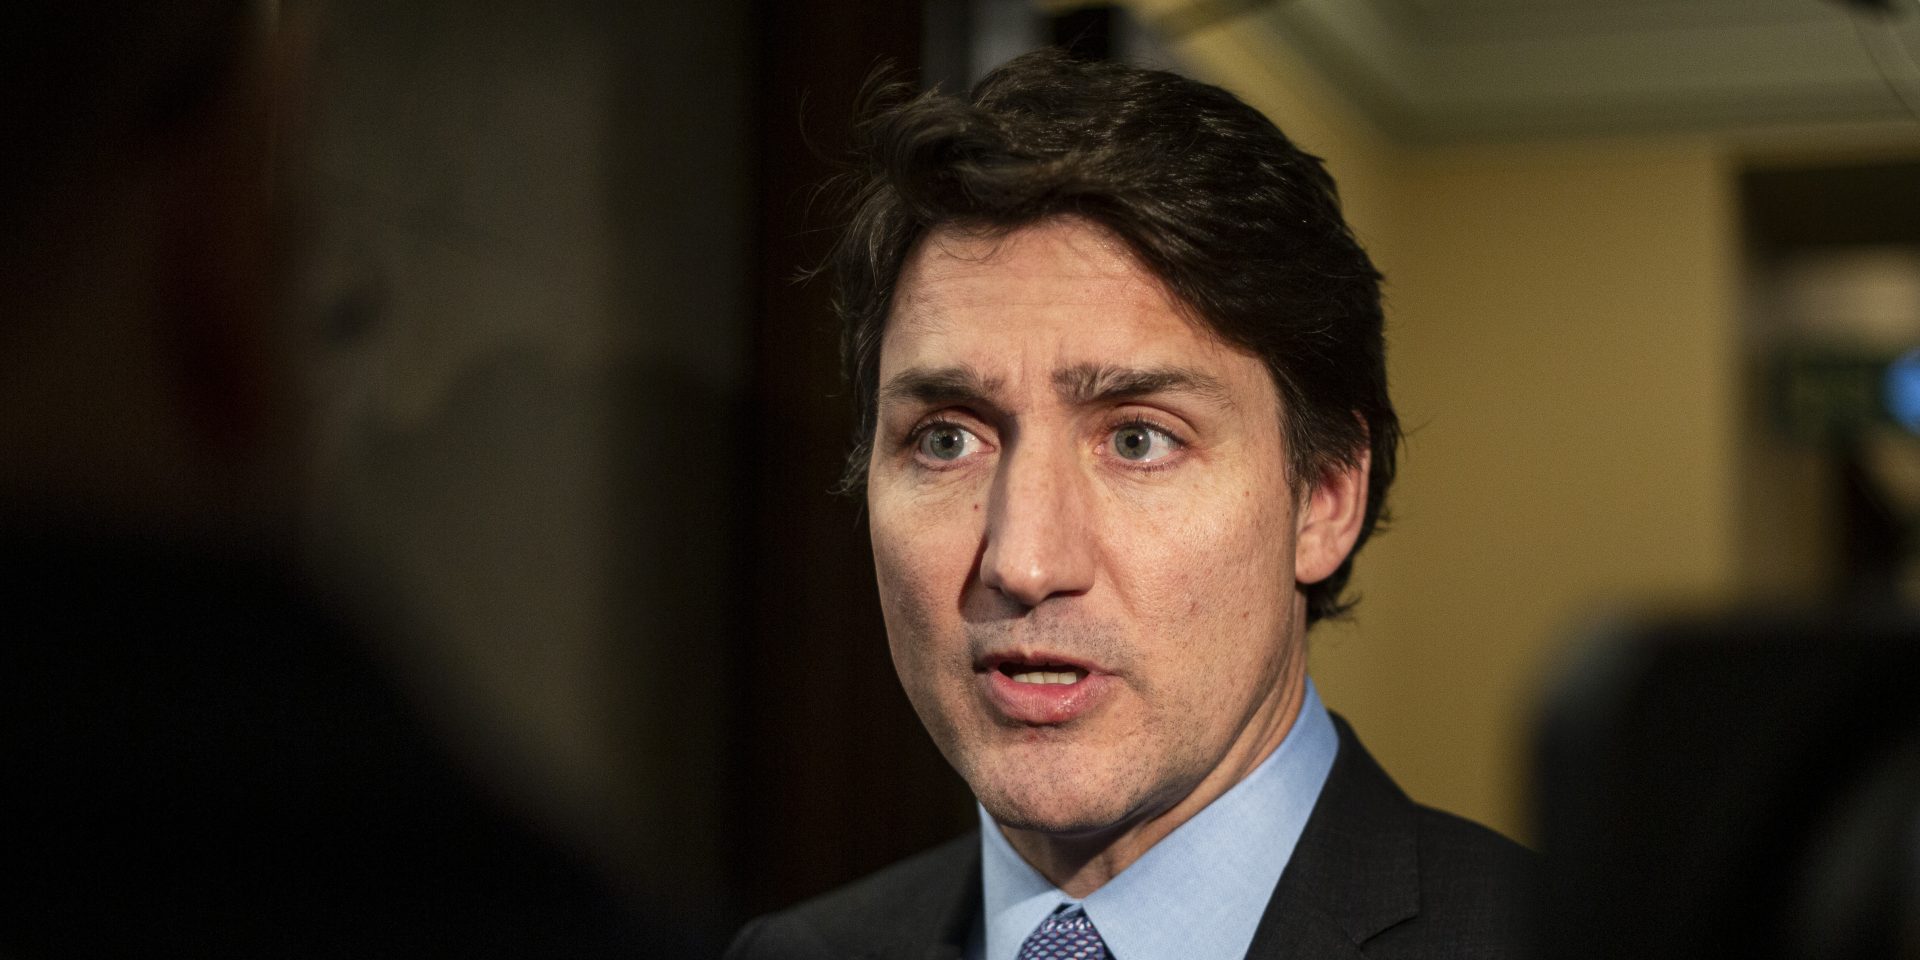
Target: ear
pixel 1329 519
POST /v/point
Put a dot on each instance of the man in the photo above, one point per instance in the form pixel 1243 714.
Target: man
pixel 1124 424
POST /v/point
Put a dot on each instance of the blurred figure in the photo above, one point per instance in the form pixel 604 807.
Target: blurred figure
pixel 202 755
pixel 1743 784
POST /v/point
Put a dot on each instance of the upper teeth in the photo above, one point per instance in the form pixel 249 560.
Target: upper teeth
pixel 1043 676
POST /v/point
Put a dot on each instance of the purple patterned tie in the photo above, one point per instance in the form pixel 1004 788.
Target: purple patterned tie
pixel 1067 935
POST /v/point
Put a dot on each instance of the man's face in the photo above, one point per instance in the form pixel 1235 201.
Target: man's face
pixel 1084 535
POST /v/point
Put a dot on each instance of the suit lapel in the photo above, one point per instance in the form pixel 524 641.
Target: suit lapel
pixel 1294 930
pixel 1355 871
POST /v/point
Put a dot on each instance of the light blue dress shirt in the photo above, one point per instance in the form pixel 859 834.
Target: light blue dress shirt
pixel 1199 893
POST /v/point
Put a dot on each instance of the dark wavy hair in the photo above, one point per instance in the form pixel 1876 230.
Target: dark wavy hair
pixel 1240 224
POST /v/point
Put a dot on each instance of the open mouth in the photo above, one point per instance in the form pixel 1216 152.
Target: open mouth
pixel 1039 673
pixel 1041 687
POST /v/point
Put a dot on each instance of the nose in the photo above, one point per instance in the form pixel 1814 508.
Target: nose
pixel 1039 531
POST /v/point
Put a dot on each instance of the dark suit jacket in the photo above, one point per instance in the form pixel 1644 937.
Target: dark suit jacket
pixel 1373 875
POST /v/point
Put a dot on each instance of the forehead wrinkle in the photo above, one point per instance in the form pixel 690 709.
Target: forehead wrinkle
pixel 1084 384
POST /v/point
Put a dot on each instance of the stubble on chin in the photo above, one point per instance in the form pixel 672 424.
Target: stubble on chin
pixel 1062 780
pixel 1057 807
pixel 1069 789
pixel 1072 779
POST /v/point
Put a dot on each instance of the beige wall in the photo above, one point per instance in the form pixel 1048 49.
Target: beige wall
pixel 1562 325
pixel 1564 354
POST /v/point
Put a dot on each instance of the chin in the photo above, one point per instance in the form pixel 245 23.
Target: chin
pixel 1056 809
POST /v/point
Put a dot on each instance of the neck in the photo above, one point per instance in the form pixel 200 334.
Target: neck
pixel 1079 864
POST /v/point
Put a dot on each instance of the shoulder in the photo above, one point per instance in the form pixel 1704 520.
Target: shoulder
pixel 1406 880
pixel 1477 892
pixel 1462 860
pixel 916 900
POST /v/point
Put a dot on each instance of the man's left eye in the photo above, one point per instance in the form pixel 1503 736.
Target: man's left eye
pixel 1141 443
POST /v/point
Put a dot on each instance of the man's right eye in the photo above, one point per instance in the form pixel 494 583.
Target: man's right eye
pixel 945 442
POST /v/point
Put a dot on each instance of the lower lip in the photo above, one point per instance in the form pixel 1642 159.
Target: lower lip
pixel 1043 703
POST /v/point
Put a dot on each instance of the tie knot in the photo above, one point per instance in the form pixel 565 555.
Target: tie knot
pixel 1069 918
pixel 1065 935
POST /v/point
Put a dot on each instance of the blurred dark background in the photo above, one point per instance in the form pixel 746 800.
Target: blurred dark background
pixel 579 406
pixel 582 411
pixel 568 417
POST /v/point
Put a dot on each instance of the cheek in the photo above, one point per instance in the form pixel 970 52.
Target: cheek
pixel 922 555
pixel 1224 556
pixel 915 562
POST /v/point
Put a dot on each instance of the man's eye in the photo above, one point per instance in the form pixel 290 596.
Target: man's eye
pixel 1142 444
pixel 947 443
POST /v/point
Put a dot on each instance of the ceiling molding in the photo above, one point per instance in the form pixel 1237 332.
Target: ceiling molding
pixel 1437 71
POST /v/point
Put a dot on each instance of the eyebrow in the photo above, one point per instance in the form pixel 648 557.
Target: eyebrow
pixel 938 386
pixel 1083 384
pixel 1086 384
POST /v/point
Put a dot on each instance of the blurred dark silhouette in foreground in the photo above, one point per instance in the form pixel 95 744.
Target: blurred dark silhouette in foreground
pixel 1742 786
pixel 202 762
pixel 203 754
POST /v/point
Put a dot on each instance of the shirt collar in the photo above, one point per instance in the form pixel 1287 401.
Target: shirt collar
pixel 1198 893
